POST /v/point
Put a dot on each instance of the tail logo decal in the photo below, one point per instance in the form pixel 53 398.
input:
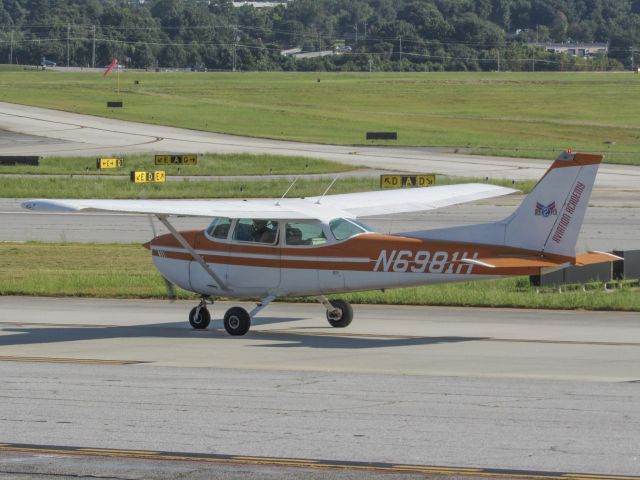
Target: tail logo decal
pixel 545 211
pixel 565 220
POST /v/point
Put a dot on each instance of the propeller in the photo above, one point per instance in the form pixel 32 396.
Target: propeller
pixel 171 288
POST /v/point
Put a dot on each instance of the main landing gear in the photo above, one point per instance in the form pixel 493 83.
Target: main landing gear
pixel 237 321
pixel 199 317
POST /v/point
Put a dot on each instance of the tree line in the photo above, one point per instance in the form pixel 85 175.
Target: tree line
pixel 362 35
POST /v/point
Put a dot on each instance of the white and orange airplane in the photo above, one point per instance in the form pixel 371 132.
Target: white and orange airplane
pixel 316 246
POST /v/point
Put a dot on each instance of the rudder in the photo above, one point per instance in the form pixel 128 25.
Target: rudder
pixel 549 219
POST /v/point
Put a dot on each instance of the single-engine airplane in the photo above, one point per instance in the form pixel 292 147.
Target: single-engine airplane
pixel 315 246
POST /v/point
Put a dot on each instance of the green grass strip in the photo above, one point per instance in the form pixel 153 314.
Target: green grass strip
pixel 527 114
pixel 209 164
pixel 96 187
pixel 127 271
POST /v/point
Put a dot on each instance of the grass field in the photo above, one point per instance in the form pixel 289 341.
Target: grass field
pixel 519 114
pixel 209 164
pixel 74 187
pixel 126 271
pixel 95 187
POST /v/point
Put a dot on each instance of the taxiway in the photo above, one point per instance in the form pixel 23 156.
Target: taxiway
pixel 482 388
pixel 63 133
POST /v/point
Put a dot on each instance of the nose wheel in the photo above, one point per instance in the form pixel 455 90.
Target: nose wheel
pixel 339 312
pixel 341 315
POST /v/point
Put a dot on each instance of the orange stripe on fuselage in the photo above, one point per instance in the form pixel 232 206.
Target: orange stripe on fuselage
pixel 376 252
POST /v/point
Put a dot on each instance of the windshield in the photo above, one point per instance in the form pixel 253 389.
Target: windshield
pixel 219 228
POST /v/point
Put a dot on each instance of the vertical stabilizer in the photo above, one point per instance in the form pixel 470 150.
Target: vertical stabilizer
pixel 547 221
pixel 550 217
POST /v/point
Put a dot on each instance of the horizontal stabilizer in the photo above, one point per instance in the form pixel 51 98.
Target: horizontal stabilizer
pixel 594 257
pixel 527 264
pixel 514 262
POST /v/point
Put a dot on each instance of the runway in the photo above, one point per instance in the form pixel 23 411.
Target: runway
pixel 63 133
pixel 451 387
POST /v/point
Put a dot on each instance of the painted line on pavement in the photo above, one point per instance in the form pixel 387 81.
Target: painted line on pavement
pixel 308 463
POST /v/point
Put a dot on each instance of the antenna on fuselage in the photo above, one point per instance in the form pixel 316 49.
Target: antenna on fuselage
pixel 328 188
pixel 290 187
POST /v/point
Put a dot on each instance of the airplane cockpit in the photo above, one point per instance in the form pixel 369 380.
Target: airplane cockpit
pixel 294 233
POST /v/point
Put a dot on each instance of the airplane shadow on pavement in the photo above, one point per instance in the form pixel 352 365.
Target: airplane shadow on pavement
pixel 314 338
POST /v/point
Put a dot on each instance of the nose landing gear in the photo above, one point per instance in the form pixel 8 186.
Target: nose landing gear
pixel 339 312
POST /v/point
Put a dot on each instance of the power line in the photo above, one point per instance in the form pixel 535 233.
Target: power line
pixel 310 34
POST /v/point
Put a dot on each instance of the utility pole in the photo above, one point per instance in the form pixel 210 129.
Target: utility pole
pixel 633 65
pixel 356 27
pixel 234 56
pixel 533 64
pixel 93 50
pixel 68 35
pixel 11 50
pixel 498 60
pixel 365 30
pixel 235 41
pixel 401 49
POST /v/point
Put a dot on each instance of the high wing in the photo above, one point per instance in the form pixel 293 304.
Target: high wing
pixel 413 199
pixel 253 208
pixel 350 205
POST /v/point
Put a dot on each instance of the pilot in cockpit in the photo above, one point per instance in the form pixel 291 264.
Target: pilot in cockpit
pixel 262 233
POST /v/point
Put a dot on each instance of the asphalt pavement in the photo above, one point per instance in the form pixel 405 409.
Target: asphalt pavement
pixel 450 387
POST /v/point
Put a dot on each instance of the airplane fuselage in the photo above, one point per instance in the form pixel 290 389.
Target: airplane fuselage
pixel 368 261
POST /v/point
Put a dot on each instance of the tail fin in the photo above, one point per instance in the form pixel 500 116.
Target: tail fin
pixel 548 220
pixel 550 217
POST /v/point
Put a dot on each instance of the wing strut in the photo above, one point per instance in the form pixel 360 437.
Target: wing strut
pixel 193 253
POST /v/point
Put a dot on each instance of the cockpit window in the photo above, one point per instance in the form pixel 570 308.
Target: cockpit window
pixel 256 230
pixel 304 233
pixel 343 228
pixel 219 228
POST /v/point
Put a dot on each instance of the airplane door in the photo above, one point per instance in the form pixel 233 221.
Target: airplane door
pixel 254 265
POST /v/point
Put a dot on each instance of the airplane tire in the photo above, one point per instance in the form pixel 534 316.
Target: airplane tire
pixel 345 317
pixel 202 321
pixel 237 321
